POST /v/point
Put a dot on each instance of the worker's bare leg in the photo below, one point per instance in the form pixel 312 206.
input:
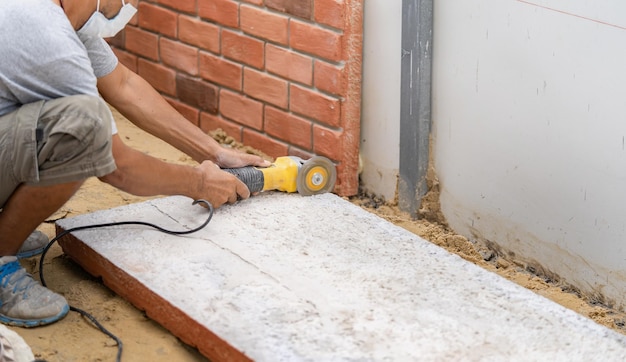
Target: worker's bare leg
pixel 26 209
pixel 25 302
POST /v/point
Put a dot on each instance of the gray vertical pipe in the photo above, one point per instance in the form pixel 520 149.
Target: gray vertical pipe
pixel 415 122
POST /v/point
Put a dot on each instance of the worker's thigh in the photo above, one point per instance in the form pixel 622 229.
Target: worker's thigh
pixel 54 142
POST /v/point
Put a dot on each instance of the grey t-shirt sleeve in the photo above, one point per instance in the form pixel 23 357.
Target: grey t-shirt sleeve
pixel 103 60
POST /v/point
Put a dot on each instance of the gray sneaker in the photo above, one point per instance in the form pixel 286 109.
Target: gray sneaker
pixel 25 302
pixel 34 245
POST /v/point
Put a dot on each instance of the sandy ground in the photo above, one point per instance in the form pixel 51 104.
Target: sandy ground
pixel 76 339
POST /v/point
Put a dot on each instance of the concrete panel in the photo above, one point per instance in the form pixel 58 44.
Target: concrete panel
pixel 281 277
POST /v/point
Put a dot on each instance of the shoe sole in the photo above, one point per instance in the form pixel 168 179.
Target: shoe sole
pixel 29 323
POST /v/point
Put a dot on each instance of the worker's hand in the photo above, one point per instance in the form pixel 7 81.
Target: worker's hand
pixel 231 158
pixel 219 187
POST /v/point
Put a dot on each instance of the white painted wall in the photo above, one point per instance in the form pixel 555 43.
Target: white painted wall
pixel 380 128
pixel 529 117
pixel 529 126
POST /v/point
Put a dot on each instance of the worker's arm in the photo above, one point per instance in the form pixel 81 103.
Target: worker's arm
pixel 144 175
pixel 138 101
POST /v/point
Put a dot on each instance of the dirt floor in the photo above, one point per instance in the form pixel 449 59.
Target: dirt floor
pixel 76 339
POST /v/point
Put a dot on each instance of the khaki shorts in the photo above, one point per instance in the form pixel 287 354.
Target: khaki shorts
pixel 54 142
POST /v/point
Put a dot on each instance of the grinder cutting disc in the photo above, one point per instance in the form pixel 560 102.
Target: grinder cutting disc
pixel 317 175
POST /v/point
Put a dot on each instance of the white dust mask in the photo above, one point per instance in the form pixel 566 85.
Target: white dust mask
pixel 99 26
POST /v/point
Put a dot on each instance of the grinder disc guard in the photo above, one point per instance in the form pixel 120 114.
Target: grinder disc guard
pixel 317 175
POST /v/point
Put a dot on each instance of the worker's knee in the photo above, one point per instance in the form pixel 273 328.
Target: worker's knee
pixel 74 140
pixel 62 140
pixel 54 142
pixel 72 126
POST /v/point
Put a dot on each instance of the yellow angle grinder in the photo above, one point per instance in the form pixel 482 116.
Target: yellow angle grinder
pixel 316 175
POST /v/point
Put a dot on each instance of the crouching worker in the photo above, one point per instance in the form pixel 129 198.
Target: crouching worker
pixel 56 72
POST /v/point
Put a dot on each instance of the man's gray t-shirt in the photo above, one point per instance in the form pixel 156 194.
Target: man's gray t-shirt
pixel 42 57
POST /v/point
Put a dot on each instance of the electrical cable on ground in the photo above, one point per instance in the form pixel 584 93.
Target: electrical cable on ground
pixel 95 226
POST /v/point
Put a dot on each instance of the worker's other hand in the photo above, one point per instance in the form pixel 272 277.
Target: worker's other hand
pixel 231 158
pixel 219 187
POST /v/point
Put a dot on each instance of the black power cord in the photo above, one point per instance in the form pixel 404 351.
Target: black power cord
pixel 95 226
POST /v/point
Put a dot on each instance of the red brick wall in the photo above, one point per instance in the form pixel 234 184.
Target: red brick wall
pixel 283 76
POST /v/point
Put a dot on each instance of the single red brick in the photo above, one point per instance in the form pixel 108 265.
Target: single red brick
pixel 289 64
pixel 300 8
pixel 199 33
pixel 180 56
pixel 320 107
pixel 162 78
pixel 241 109
pixel 264 143
pixel 157 19
pixel 124 57
pixel 197 93
pixel 221 71
pixel 327 142
pixel 142 42
pixel 255 2
pixel 225 12
pixel 192 114
pixel 330 78
pixel 243 49
pixel 288 127
pixel 330 12
pixel 265 87
pixel 315 40
pixel 264 24
pixel 186 6
pixel 210 122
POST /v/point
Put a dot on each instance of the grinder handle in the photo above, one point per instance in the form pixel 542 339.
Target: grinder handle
pixel 251 176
